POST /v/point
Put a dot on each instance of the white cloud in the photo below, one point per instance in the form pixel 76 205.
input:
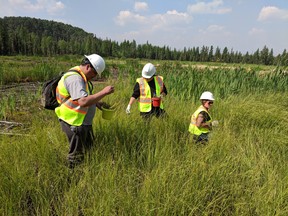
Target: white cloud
pixel 140 6
pixel 55 7
pixel 213 7
pixel 170 18
pixel 50 6
pixel 172 24
pixel 155 21
pixel 126 17
pixel 271 12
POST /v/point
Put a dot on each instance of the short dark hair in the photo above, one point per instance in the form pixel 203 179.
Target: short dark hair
pixel 86 61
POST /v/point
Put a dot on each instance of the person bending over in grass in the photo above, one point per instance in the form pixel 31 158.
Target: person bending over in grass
pixel 149 91
pixel 78 105
pixel 201 120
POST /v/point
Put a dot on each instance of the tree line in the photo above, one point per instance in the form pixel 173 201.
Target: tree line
pixel 31 36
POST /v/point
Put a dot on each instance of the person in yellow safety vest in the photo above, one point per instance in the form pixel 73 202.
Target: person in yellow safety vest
pixel 149 90
pixel 78 105
pixel 201 120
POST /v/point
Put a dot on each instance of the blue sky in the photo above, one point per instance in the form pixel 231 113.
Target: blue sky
pixel 241 25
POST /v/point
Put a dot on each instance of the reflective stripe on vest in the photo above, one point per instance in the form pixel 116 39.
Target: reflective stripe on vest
pixel 70 111
pixel 145 100
pixel 193 128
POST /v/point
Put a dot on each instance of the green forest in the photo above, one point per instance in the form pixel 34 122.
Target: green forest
pixel 31 36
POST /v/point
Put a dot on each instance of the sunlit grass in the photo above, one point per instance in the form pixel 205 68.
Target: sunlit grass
pixel 140 168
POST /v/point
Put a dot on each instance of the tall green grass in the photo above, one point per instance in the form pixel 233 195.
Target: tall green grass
pixel 190 82
pixel 140 168
pixel 33 69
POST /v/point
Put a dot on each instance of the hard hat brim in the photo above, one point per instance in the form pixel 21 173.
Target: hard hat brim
pixel 147 77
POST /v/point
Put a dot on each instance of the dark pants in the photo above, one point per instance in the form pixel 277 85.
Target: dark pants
pixel 80 140
pixel 202 138
pixel 155 111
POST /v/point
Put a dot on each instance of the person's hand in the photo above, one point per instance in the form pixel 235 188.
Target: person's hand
pixel 108 90
pixel 215 123
pixel 128 109
pixel 101 105
pixel 162 95
pixel 105 105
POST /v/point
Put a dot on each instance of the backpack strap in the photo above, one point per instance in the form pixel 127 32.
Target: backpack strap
pixel 71 70
pixel 67 98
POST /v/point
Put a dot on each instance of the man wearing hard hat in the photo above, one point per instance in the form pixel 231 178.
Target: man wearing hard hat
pixel 149 90
pixel 78 105
pixel 201 120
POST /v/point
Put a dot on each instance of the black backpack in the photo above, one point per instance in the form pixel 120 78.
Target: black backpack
pixel 48 99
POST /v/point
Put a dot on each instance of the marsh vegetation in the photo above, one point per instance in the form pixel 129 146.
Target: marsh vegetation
pixel 148 169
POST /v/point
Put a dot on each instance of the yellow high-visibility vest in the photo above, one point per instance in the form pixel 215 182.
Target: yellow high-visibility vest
pixel 193 128
pixel 145 99
pixel 70 111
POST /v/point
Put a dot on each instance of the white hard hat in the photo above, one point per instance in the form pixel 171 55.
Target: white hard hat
pixel 207 96
pixel 148 70
pixel 97 62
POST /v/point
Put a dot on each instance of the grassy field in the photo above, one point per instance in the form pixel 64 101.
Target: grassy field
pixel 137 168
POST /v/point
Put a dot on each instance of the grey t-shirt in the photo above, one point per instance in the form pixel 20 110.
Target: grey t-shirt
pixel 75 85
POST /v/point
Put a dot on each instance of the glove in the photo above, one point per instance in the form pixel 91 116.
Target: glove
pixel 162 95
pixel 215 123
pixel 128 109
